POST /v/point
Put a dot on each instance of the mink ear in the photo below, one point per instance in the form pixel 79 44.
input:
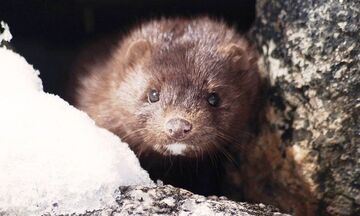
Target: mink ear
pixel 237 55
pixel 137 51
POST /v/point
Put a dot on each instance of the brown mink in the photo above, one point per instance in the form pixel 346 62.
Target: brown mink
pixel 181 92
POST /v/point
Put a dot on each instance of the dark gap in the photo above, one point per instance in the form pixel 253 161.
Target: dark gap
pixel 49 34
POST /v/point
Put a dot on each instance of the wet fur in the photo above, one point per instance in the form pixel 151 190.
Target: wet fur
pixel 186 59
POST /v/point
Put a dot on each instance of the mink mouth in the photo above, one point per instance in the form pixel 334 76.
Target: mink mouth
pixel 197 144
pixel 177 148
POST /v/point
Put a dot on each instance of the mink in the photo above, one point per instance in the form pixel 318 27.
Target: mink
pixel 181 92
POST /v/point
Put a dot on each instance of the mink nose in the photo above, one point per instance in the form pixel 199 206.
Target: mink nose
pixel 178 128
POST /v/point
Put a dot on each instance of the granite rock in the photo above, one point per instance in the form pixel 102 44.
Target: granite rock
pixel 168 200
pixel 311 57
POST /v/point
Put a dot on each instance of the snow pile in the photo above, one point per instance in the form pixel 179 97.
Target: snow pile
pixel 5 35
pixel 52 156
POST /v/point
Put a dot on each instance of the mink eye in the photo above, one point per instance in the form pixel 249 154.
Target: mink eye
pixel 214 99
pixel 153 96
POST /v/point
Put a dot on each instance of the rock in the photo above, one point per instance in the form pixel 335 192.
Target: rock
pixel 311 57
pixel 168 200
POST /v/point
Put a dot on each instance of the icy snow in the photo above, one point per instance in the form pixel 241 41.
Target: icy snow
pixel 6 35
pixel 52 156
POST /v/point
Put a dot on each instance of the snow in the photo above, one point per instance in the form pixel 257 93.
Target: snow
pixel 6 35
pixel 53 158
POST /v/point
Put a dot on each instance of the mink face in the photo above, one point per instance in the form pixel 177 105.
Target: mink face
pixel 177 87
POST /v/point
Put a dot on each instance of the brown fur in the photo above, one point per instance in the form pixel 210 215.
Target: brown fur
pixel 186 60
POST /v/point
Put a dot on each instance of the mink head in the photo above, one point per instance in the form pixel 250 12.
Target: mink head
pixel 180 89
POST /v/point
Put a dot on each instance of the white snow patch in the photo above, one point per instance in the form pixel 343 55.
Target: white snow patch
pixel 6 35
pixel 53 158
pixel 17 76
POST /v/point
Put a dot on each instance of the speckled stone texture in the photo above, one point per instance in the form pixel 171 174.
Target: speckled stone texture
pixel 311 52
pixel 168 200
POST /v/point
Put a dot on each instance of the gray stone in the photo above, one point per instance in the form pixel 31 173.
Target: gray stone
pixel 311 56
pixel 168 200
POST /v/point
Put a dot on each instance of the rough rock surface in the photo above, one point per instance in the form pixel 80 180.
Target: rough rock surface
pixel 311 54
pixel 168 200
